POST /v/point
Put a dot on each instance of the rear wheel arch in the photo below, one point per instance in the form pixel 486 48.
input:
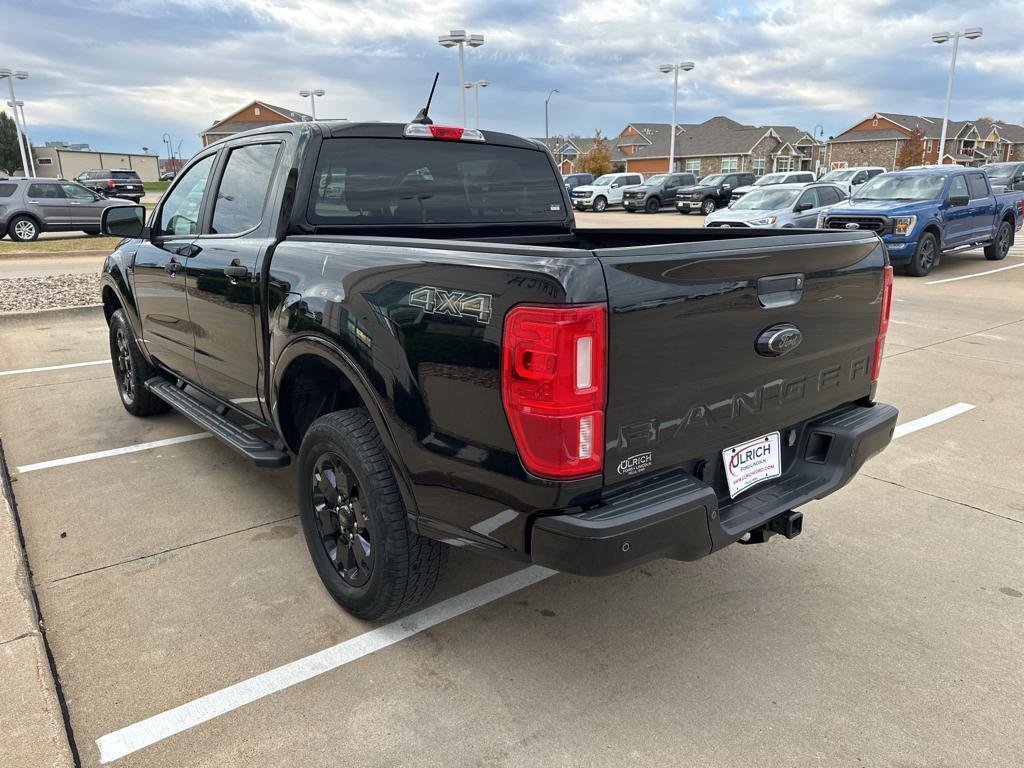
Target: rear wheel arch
pixel 313 378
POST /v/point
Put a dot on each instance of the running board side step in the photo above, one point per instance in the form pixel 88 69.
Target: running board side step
pixel 253 447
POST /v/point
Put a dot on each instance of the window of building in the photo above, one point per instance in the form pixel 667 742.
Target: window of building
pixel 874 123
pixel 44 161
pixel 243 188
pixel 928 146
pixel 784 163
pixel 693 166
pixel 256 111
pixel 759 166
pixel 730 164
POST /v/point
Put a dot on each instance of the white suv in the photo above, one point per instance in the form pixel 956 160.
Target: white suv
pixel 606 190
pixel 851 179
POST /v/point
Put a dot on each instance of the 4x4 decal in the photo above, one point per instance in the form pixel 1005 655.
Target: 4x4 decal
pixel 453 303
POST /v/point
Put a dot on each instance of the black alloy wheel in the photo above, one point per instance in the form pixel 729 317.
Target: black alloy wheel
pixel 1000 246
pixel 346 531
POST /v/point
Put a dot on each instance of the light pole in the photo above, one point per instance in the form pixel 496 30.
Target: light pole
pixel 971 33
pixel 180 163
pixel 819 149
pixel 476 85
pixel 24 127
pixel 685 66
pixel 11 75
pixel 551 93
pixel 460 38
pixel 311 94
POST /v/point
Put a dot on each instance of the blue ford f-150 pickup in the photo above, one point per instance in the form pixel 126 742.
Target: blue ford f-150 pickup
pixel 922 214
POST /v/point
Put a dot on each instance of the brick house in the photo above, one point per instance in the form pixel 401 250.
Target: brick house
pixel 718 144
pixel 253 115
pixel 878 138
pixel 566 150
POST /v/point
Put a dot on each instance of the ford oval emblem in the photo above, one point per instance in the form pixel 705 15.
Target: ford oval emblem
pixel 853 225
pixel 779 340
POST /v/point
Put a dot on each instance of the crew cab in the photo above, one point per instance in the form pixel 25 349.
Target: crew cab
pixel 604 192
pixel 450 362
pixel 656 191
pixel 711 192
pixel 921 214
pixel 1005 177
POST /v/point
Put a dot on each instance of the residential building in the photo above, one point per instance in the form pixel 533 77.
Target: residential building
pixel 255 114
pixel 878 139
pixel 567 149
pixel 718 144
pixel 57 162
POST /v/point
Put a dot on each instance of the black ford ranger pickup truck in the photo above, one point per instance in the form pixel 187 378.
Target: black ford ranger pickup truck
pixel 410 312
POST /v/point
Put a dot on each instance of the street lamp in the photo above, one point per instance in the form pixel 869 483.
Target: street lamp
pixel 311 94
pixel 685 66
pixel 460 38
pixel 971 33
pixel 476 85
pixel 24 127
pixel 550 94
pixel 11 75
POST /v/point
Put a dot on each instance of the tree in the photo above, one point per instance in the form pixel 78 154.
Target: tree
pixel 911 151
pixel 10 157
pixel 596 160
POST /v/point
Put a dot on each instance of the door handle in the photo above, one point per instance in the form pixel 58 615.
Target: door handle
pixel 236 271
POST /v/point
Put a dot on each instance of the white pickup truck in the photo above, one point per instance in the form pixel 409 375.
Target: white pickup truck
pixel 606 190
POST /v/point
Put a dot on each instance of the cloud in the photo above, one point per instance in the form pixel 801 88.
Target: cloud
pixel 120 74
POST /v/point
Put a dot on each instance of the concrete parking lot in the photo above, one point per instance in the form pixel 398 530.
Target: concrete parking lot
pixel 188 627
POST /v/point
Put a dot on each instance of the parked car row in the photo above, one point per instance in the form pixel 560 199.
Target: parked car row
pixel 29 206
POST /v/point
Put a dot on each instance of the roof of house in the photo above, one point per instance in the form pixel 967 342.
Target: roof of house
pixel 719 135
pixel 931 128
pixel 233 128
pixel 288 114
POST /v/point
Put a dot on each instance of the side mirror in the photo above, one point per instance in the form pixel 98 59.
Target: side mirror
pixel 726 186
pixel 803 207
pixel 957 201
pixel 123 220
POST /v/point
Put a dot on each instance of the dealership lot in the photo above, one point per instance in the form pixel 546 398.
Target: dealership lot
pixel 167 569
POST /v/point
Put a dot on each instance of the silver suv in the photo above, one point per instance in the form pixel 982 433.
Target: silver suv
pixel 31 206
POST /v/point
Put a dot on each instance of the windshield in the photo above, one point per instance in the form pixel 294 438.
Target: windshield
pixel 368 181
pixel 839 175
pixel 766 200
pixel 713 181
pixel 1000 170
pixel 604 181
pixel 893 187
pixel 769 179
pixel 656 179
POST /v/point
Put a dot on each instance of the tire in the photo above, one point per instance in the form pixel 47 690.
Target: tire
pixel 131 370
pixel 355 523
pixel 1000 245
pixel 707 207
pixel 600 205
pixel 91 232
pixel 653 205
pixel 924 257
pixel 23 229
pixel 631 210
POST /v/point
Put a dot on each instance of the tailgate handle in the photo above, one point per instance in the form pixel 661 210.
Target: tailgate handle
pixel 780 290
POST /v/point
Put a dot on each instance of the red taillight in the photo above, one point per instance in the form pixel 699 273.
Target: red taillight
pixel 883 322
pixel 110 184
pixel 553 374
pixel 446 132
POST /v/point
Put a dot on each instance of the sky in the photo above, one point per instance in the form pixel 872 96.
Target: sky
pixel 119 74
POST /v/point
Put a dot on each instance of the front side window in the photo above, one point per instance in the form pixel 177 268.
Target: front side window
pixel 809 197
pixel 45 191
pixel 957 188
pixel 977 186
pixel 76 192
pixel 179 215
pixel 243 188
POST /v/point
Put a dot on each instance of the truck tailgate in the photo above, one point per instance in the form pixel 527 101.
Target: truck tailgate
pixel 685 377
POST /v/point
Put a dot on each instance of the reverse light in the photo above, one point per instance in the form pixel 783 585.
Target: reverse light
pixel 447 132
pixel 883 322
pixel 904 225
pixel 553 387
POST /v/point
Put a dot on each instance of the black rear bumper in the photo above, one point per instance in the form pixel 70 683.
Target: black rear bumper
pixel 679 517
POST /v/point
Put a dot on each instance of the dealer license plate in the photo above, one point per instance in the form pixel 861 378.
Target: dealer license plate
pixel 752 462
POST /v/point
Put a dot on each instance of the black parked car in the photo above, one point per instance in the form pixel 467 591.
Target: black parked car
pixel 573 180
pixel 1008 177
pixel 656 192
pixel 113 183
pixel 714 191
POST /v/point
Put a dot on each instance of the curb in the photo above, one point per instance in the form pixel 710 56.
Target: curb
pixel 82 309
pixel 33 718
pixel 84 253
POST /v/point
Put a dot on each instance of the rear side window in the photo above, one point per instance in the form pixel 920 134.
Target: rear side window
pixel 243 188
pixel 6 190
pixel 125 175
pixel 977 186
pixel 421 181
pixel 44 191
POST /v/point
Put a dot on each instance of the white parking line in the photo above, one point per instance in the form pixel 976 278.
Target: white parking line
pixel 151 730
pixel 139 735
pixel 54 367
pixel 112 452
pixel 976 274
pixel 931 419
